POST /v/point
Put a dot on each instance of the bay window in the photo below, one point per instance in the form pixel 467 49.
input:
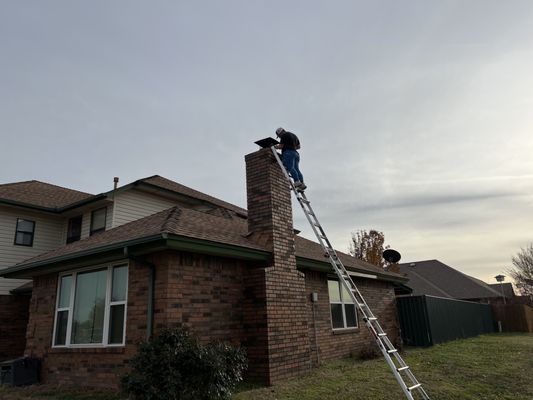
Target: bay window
pixel 91 307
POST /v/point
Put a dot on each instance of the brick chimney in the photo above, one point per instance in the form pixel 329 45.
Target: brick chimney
pixel 283 293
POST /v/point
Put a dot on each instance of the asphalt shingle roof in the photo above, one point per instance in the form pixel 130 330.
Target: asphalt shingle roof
pixel 192 224
pixel 41 194
pixel 167 184
pixel 435 278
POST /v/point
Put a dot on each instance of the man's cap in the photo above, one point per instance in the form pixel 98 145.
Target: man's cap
pixel 279 131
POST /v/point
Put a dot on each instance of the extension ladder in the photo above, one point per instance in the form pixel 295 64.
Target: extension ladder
pixel 399 368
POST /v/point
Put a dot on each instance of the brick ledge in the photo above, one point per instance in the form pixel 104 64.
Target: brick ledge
pixel 93 350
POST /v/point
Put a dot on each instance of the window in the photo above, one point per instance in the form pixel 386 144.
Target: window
pixel 343 314
pixel 74 229
pixel 98 218
pixel 91 307
pixel 24 232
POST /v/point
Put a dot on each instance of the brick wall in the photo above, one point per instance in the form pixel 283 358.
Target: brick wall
pixel 13 321
pixel 203 293
pixel 327 344
pixel 270 223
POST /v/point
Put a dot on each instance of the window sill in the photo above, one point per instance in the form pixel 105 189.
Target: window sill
pixel 344 331
pixel 92 350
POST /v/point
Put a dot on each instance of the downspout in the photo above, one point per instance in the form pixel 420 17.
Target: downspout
pixel 151 291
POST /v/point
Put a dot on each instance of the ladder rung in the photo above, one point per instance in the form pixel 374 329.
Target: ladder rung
pixel 382 334
pixel 414 386
pixel 392 351
pixel 372 318
pixel 402 368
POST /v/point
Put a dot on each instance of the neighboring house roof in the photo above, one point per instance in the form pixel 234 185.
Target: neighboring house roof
pixel 182 223
pixel 432 277
pixel 508 290
pixel 40 194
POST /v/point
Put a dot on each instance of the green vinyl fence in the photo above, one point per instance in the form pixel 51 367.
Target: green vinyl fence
pixel 428 320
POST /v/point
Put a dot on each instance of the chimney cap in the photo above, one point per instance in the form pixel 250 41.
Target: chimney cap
pixel 266 142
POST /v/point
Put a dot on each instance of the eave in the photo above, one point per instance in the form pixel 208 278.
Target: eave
pixel 139 246
pixel 324 266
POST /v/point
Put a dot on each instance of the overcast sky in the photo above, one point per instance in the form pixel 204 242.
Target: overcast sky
pixel 415 117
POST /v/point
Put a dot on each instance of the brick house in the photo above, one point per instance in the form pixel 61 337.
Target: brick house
pixel 224 272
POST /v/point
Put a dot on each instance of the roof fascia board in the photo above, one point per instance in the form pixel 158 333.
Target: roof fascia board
pixel 53 210
pixel 84 202
pixel 28 205
pixel 17 270
pixel 138 247
pixel 183 243
pixel 323 266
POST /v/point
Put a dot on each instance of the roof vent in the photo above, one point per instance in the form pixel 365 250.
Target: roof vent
pixel 115 183
pixel 412 265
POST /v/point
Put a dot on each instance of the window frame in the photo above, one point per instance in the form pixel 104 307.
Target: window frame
pixel 72 239
pixel 107 312
pixel 17 232
pixel 92 230
pixel 343 303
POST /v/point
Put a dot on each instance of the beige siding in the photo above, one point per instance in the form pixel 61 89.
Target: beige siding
pixel 86 222
pixel 49 232
pixel 131 205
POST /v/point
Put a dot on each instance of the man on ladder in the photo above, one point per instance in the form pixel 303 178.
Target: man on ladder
pixel 289 144
pixel 410 386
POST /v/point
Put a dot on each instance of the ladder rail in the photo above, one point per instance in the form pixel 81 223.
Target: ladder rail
pixel 396 362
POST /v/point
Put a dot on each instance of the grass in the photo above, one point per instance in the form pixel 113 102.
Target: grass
pixel 497 367
pixel 490 367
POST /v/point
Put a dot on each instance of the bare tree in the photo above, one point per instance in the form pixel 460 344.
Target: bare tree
pixel 369 246
pixel 522 271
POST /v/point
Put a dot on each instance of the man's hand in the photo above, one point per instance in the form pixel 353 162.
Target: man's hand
pixel 279 146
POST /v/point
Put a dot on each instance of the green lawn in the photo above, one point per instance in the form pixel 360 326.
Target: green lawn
pixel 498 367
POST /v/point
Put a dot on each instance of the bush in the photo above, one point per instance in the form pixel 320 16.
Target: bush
pixel 175 366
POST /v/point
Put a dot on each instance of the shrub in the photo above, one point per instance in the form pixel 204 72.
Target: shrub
pixel 175 366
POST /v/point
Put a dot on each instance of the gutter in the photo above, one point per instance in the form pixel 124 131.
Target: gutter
pixel 167 241
pixel 325 266
pixel 54 210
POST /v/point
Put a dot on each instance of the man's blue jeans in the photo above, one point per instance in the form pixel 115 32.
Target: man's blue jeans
pixel 291 161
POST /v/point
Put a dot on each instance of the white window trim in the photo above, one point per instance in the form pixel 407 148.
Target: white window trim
pixel 107 311
pixel 342 302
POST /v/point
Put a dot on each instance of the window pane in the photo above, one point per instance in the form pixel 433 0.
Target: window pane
pixel 349 309
pixel 98 219
pixel 116 324
pixel 120 278
pixel 89 307
pixel 74 229
pixel 336 316
pixel 64 292
pixel 334 293
pixel 346 298
pixel 25 225
pixel 24 238
pixel 61 328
